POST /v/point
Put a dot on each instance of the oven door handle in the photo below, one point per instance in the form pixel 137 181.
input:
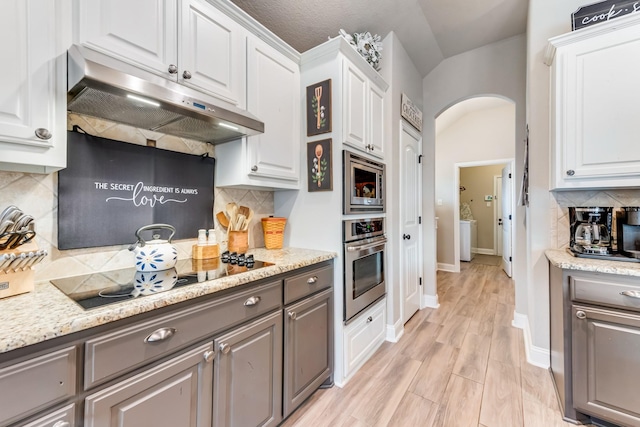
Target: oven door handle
pixel 367 246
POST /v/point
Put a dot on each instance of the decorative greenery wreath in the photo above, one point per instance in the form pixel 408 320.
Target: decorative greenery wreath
pixel 366 45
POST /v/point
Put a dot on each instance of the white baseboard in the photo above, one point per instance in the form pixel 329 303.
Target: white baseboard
pixel 395 331
pixel 430 301
pixel 483 251
pixel 536 356
pixel 447 267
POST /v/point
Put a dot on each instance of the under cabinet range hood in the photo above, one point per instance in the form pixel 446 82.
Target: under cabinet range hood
pixel 104 87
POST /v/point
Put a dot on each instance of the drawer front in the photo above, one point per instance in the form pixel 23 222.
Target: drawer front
pixel 300 286
pixel 64 417
pixel 34 384
pixel 363 336
pixel 622 293
pixel 115 353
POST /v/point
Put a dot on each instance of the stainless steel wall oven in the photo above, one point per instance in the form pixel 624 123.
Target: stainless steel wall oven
pixel 364 264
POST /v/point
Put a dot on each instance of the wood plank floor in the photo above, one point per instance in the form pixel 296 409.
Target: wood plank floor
pixel 460 365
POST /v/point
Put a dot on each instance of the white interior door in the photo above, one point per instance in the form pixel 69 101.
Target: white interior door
pixel 497 214
pixel 410 202
pixel 506 219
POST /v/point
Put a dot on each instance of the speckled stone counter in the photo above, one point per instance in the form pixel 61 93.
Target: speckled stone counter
pixel 47 313
pixel 562 259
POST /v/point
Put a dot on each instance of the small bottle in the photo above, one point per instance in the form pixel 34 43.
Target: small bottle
pixel 202 237
pixel 212 237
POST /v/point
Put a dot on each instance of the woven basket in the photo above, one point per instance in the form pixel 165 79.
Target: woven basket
pixel 273 232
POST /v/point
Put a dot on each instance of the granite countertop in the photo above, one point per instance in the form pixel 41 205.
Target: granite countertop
pixel 563 259
pixel 47 313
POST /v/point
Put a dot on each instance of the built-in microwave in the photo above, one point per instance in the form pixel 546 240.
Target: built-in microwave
pixel 363 184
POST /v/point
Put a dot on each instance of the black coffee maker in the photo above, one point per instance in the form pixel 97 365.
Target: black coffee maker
pixel 628 231
pixel 590 230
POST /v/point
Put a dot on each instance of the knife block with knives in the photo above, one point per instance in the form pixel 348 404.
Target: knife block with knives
pixel 16 274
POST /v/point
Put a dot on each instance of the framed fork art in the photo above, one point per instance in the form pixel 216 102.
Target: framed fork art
pixel 319 108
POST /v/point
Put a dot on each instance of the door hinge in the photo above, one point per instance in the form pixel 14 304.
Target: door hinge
pixel 510 259
pixel 509 217
pixel 509 175
pixel 419 158
pixel 420 281
pixel 419 220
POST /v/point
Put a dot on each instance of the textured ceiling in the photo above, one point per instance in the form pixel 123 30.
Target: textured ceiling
pixel 429 30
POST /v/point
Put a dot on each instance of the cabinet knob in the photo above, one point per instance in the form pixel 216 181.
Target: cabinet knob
pixel 406 237
pixel 209 355
pixel 250 302
pixel 225 348
pixel 293 315
pixel 186 75
pixel 631 294
pixel 312 280
pixel 62 424
pixel 254 168
pixel 173 69
pixel 160 335
pixel 369 319
pixel 43 133
pixel 581 314
pixel 571 172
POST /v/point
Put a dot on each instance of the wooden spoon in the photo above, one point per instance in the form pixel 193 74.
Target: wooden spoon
pixel 222 219
pixel 319 157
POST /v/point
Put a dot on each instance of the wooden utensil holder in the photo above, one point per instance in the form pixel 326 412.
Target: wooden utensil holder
pixel 17 282
pixel 238 241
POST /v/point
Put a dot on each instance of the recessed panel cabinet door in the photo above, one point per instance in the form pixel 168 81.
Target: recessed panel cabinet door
pixel 174 393
pixel 355 106
pixel 248 375
pixel 376 121
pixel 141 32
pixel 274 97
pixel 212 53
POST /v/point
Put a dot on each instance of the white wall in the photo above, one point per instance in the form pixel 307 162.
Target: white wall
pixel 480 135
pixel 496 69
pixel 403 77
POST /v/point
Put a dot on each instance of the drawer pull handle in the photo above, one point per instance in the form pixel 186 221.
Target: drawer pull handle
pixel 160 335
pixel 369 319
pixel 208 355
pixel 62 424
pixel 293 315
pixel 631 294
pixel 225 348
pixel 250 302
pixel 581 314
pixel 312 280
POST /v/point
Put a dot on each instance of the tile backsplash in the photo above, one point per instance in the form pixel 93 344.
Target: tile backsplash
pixel 562 200
pixel 37 195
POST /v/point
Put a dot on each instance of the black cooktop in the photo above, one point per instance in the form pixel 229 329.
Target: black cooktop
pixel 109 287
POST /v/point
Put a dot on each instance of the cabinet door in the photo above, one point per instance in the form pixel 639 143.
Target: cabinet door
pixel 248 375
pixel 141 32
pixel 212 54
pixel 595 106
pixel 606 367
pixel 363 336
pixel 174 393
pixel 308 338
pixel 274 97
pixel 33 86
pixel 64 417
pixel 354 106
pixel 376 121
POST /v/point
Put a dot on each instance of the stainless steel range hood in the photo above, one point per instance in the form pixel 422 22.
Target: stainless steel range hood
pixel 103 87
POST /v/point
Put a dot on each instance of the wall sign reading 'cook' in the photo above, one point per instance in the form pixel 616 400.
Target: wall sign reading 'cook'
pixel 110 189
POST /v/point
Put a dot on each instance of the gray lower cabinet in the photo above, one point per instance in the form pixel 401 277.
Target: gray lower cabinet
pixel 248 374
pixel 308 348
pixel 174 393
pixel 606 364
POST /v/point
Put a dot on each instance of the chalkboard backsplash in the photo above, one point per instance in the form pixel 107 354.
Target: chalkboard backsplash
pixel 38 194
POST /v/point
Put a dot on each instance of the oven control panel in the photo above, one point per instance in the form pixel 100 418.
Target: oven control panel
pixel 356 229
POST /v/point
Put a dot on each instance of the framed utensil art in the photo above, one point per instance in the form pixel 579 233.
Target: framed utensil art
pixel 319 166
pixel 319 108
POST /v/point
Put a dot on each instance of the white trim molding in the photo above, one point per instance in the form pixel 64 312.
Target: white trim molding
pixel 395 331
pixel 536 356
pixel 447 267
pixel 483 251
pixel 430 301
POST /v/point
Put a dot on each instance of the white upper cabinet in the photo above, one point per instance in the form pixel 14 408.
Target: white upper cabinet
pixel 363 107
pixel 271 159
pixel 35 35
pixel 188 41
pixel 594 106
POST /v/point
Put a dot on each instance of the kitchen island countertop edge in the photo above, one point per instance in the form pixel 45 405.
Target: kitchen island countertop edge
pixel 562 259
